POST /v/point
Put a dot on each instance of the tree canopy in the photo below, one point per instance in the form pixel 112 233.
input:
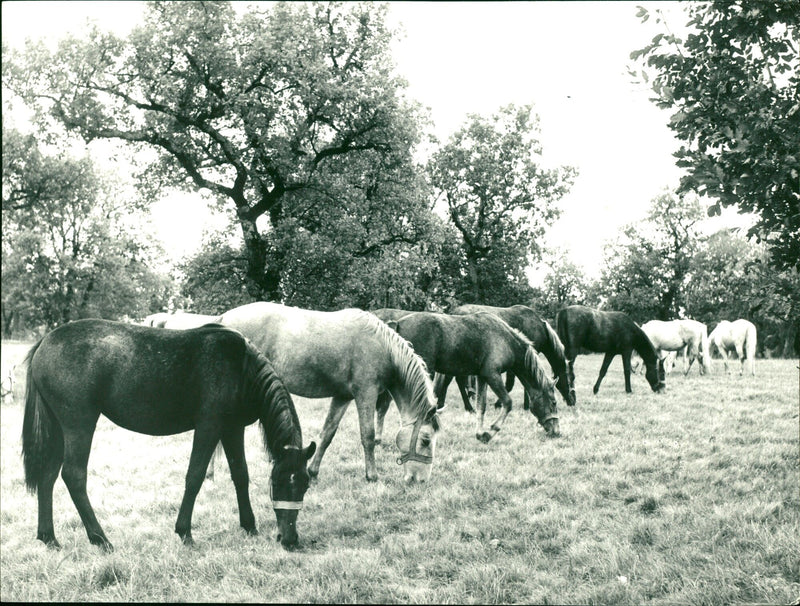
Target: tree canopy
pixel 256 106
pixel 500 197
pixel 734 87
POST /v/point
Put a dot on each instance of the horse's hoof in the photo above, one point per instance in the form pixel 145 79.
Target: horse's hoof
pixel 253 532
pixel 102 543
pixel 484 437
pixel 313 473
pixel 188 541
pixel 50 543
pixel 377 441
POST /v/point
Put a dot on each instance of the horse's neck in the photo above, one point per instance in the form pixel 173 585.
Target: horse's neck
pixel 643 346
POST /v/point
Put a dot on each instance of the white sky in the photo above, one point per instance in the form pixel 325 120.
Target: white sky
pixel 569 59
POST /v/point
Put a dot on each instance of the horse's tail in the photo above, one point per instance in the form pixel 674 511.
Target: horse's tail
pixel 40 430
pixel 750 347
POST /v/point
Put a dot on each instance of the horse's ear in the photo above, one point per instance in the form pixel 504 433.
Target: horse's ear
pixel 310 450
pixel 392 324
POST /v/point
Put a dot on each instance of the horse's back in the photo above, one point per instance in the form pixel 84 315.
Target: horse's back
pixel 316 353
pixel 144 379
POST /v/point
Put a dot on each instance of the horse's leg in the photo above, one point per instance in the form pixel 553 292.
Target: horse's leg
pixel 44 489
pixel 496 383
pixel 365 405
pixel 203 444
pixel 77 444
pixel 440 384
pixel 482 435
pixel 740 355
pixel 604 368
pixel 626 369
pixel 509 386
pixel 381 408
pixel 463 384
pixel 571 375
pixel 233 443
pixel 335 413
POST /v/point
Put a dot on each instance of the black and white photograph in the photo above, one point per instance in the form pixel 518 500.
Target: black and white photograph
pixel 438 302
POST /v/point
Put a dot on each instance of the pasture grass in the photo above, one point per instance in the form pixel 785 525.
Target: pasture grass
pixel 686 497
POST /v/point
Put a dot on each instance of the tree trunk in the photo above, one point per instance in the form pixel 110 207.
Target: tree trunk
pixel 262 282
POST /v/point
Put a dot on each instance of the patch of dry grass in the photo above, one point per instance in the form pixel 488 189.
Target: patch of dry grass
pixel 685 497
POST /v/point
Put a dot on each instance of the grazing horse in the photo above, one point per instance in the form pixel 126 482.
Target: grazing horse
pixel 610 332
pixel 483 345
pixel 738 336
pixel 157 382
pixel 541 334
pixel 348 355
pixel 687 336
pixel 466 385
pixel 182 321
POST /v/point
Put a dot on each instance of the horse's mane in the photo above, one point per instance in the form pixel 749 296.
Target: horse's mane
pixel 558 347
pixel 411 368
pixel 280 425
pixel 643 345
pixel 531 357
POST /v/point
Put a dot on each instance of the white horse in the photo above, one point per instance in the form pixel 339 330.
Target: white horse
pixel 178 321
pixel 738 336
pixel 689 337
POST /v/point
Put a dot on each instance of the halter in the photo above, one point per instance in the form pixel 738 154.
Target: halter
pixel 296 505
pixel 412 454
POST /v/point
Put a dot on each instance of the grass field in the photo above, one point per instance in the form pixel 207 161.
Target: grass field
pixel 686 497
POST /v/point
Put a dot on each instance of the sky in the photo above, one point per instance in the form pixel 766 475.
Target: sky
pixel 569 60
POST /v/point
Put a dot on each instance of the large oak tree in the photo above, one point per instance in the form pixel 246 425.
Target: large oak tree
pixel 258 107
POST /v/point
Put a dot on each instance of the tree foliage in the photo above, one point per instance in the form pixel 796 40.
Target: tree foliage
pixel 500 198
pixel 257 106
pixel 734 87
pixel 69 249
pixel 647 268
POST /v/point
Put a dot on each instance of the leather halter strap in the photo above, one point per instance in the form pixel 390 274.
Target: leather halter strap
pixel 411 454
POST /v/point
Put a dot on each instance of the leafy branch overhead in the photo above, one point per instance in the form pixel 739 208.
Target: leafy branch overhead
pixel 733 84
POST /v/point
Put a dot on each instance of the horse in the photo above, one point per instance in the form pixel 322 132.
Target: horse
pixel 467 385
pixel 738 336
pixel 541 334
pixel 609 332
pixel 157 382
pixel 687 336
pixel 348 355
pixel 479 344
pixel 156 320
pixel 182 321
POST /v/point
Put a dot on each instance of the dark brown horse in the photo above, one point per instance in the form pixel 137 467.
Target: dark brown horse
pixel 483 345
pixel 540 333
pixel 609 332
pixel 157 382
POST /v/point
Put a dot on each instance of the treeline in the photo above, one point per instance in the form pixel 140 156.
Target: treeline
pixel 293 119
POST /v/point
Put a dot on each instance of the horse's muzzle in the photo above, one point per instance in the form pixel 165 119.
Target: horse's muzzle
pixel 551 427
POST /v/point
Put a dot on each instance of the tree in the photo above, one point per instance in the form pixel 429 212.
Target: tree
pixel 69 248
pixel 500 199
pixel 564 284
pixel 646 270
pixel 256 107
pixel 733 84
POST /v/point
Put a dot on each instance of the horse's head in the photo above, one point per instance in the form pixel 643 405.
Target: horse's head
pixel 543 405
pixel 653 377
pixel 417 443
pixel 288 485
